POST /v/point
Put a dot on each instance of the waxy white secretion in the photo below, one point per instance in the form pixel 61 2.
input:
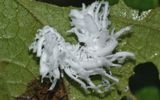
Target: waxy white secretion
pixel 91 56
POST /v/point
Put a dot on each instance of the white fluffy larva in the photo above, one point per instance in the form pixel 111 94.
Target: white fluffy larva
pixel 89 57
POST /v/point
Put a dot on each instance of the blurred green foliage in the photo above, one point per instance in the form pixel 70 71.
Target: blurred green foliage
pixel 112 2
pixel 142 5
pixel 148 93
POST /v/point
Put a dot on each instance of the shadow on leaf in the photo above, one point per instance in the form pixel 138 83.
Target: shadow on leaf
pixel 146 76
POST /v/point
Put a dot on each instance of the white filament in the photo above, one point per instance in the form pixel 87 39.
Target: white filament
pixel 79 61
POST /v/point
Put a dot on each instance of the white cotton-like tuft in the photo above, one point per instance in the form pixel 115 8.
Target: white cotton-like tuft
pixel 90 56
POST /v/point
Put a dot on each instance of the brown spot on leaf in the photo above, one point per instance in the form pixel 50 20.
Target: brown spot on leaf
pixel 39 91
pixel 3 65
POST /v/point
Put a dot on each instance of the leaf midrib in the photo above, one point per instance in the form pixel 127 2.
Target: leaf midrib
pixel 22 3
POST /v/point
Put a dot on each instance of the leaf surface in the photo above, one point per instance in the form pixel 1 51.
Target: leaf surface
pixel 19 21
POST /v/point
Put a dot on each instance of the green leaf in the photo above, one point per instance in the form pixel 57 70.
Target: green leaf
pixel 112 2
pixel 141 4
pixel 19 21
pixel 148 93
